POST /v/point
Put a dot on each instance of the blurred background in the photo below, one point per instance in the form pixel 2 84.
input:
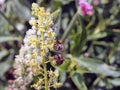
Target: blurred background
pixel 98 48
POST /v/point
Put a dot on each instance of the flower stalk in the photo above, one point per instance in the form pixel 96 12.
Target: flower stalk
pixel 35 53
pixel 45 75
pixel 69 28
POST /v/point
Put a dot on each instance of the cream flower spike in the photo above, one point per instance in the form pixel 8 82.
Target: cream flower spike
pixel 31 63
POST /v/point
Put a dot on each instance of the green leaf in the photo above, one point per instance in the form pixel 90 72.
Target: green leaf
pixel 69 28
pixel 115 82
pixel 81 69
pixel 96 66
pixel 97 36
pixel 81 39
pixel 8 38
pixel 55 14
pixel 3 53
pixel 62 77
pixel 104 1
pixel 21 11
pixel 64 1
pixel 78 81
pixel 2 87
pixel 4 66
pixel 65 65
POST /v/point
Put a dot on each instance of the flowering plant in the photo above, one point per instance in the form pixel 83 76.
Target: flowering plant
pixel 35 54
pixel 74 48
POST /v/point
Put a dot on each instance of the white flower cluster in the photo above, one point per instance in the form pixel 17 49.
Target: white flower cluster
pixel 31 61
pixel 23 73
pixel 30 53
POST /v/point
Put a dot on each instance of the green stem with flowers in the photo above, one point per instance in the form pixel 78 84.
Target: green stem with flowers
pixel 45 66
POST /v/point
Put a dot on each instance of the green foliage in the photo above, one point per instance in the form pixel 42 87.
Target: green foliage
pixel 4 66
pixel 92 43
pixel 99 67
pixel 78 80
pixel 8 38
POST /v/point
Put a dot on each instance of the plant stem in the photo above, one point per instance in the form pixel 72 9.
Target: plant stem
pixel 45 75
pixel 45 65
pixel 96 82
pixel 67 31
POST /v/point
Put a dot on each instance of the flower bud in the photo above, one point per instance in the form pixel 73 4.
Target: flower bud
pixel 59 59
pixel 58 46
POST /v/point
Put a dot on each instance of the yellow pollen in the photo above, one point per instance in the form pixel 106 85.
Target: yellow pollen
pixel 34 55
pixel 34 41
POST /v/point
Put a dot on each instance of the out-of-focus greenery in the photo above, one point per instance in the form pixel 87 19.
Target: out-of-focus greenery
pixel 92 48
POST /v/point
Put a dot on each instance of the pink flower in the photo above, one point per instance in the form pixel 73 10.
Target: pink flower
pixel 96 2
pixel 86 8
pixel 2 1
pixel 2 5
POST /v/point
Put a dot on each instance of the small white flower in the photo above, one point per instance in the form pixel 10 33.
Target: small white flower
pixel 30 32
pixel 28 56
pixel 32 18
pixel 26 40
pixel 26 47
pixel 50 30
pixel 32 47
pixel 39 58
pixel 38 33
pixel 45 35
pixel 35 50
pixel 33 27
